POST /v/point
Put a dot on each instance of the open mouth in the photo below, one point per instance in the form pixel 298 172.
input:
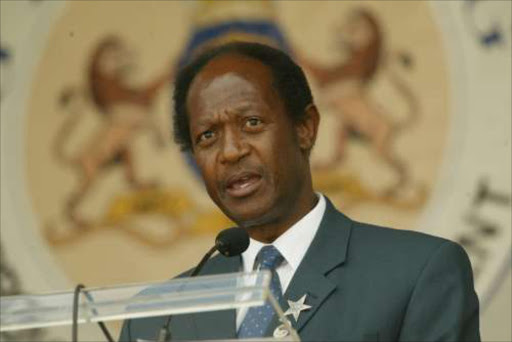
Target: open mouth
pixel 243 184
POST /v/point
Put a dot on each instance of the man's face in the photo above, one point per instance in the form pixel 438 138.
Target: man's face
pixel 244 141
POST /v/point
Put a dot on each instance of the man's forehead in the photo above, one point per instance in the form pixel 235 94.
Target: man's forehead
pixel 231 82
pixel 227 93
pixel 231 79
pixel 244 66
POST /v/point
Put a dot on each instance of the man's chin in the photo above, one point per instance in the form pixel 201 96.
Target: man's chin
pixel 248 216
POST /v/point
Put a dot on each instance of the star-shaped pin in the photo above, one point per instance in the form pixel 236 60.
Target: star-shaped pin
pixel 297 307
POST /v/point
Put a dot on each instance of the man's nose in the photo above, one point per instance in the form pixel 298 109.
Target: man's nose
pixel 234 147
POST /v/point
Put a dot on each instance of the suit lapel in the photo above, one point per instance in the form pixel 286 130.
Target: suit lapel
pixel 217 324
pixel 327 251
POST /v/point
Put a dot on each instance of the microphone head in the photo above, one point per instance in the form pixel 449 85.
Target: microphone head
pixel 232 241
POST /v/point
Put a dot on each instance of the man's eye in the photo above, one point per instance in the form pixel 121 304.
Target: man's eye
pixel 253 122
pixel 207 135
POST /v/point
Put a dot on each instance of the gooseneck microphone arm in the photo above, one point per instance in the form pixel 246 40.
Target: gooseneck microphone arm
pixel 203 261
pixel 164 335
pixel 229 242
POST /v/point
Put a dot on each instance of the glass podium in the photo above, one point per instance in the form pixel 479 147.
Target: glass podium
pixel 174 297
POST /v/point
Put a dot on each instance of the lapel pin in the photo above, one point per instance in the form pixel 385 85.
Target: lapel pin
pixel 297 307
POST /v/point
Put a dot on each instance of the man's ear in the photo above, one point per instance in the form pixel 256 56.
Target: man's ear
pixel 307 128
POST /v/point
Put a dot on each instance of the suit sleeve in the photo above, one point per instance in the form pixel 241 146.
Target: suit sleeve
pixel 141 328
pixel 443 305
pixel 125 335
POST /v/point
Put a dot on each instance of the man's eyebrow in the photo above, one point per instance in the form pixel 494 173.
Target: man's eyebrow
pixel 240 108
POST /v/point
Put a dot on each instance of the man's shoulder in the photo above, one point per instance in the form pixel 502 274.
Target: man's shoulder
pixel 391 238
pixel 372 236
pixel 384 245
pixel 397 258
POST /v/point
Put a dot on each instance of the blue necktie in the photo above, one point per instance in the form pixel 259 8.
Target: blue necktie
pixel 258 318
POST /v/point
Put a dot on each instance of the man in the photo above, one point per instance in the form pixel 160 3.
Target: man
pixel 246 113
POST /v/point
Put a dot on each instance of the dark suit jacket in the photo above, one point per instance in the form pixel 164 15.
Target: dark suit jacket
pixel 363 283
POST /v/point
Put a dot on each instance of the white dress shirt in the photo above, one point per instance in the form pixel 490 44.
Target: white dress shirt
pixel 292 245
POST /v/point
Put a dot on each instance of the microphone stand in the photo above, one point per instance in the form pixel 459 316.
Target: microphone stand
pixel 164 335
pixel 229 242
pixel 203 261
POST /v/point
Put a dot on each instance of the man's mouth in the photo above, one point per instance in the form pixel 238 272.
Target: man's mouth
pixel 243 184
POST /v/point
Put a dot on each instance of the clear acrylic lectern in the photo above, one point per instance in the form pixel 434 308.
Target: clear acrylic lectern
pixel 174 297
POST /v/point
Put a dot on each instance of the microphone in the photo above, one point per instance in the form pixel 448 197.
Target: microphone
pixel 229 242
pixel 232 241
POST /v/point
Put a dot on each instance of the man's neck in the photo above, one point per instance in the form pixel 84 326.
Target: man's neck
pixel 269 232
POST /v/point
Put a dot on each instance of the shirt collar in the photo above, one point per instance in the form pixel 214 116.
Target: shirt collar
pixel 293 243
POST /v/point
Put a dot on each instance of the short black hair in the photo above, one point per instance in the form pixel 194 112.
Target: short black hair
pixel 288 79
